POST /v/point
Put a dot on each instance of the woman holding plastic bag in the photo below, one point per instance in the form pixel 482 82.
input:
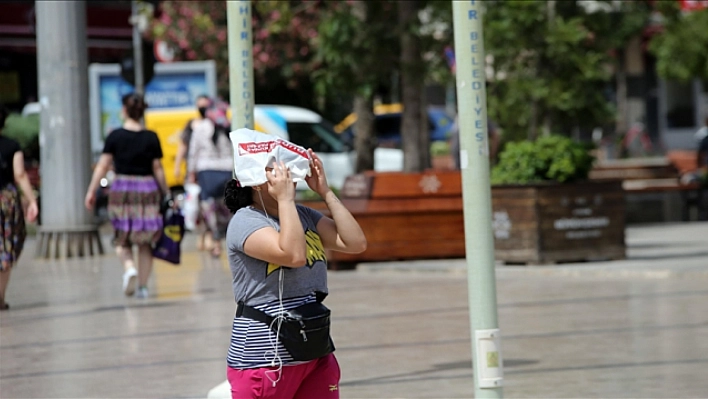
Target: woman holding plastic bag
pixel 280 343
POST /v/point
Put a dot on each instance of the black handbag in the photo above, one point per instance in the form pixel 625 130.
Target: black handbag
pixel 304 331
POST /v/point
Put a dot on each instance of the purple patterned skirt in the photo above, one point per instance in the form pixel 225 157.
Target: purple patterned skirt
pixel 12 227
pixel 134 210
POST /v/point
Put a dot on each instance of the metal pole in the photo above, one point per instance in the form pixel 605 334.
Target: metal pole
pixel 62 64
pixel 238 14
pixel 477 202
pixel 137 50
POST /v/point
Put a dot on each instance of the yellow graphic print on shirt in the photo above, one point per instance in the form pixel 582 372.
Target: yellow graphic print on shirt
pixel 315 252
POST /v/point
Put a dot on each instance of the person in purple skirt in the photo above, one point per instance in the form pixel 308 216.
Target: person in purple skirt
pixel 135 195
pixel 14 184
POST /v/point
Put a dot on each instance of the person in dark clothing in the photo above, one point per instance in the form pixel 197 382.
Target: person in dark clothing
pixel 136 193
pixel 702 161
pixel 12 217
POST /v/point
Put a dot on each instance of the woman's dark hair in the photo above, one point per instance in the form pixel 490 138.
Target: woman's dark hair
pixel 134 105
pixel 3 115
pixel 218 130
pixel 237 197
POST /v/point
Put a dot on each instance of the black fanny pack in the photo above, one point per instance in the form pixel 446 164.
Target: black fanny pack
pixel 304 331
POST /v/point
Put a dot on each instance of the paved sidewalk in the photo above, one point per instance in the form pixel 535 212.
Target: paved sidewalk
pixel 636 328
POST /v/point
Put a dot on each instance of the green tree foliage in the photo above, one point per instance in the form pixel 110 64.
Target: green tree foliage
pixel 357 47
pixel 681 47
pixel 25 130
pixel 549 158
pixel 552 63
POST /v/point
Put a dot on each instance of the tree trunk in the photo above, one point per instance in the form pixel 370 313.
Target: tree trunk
pixel 621 124
pixel 364 140
pixel 415 135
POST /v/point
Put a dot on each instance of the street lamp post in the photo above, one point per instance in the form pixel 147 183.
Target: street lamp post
pixel 137 49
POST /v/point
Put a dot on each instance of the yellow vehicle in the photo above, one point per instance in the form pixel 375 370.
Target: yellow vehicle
pixel 169 126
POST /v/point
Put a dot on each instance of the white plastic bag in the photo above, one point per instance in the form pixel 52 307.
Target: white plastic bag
pixel 254 151
pixel 190 209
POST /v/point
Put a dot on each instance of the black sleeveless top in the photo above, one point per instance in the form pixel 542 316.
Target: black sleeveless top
pixel 8 148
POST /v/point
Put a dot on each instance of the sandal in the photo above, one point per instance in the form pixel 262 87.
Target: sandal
pixel 5 306
pixel 216 253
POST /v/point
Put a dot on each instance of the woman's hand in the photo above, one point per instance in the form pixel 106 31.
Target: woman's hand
pixel 32 211
pixel 89 201
pixel 177 172
pixel 280 183
pixel 317 181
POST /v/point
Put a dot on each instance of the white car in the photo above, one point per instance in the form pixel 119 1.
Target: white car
pixel 308 129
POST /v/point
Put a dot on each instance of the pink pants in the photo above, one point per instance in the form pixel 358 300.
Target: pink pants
pixel 316 379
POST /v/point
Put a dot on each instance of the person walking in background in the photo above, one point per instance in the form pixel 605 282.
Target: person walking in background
pixel 210 164
pixel 12 217
pixel 203 103
pixel 276 250
pixel 136 193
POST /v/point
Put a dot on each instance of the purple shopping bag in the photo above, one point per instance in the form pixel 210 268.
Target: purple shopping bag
pixel 168 246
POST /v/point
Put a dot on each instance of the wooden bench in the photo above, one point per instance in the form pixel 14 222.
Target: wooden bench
pixel 404 216
pixel 659 176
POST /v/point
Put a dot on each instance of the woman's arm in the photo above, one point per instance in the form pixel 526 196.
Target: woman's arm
pixel 342 232
pixel 287 247
pixel 104 162
pixel 22 180
pixel 195 147
pixel 159 174
pixel 181 152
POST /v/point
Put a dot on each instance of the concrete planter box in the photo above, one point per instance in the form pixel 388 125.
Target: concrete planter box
pixel 548 223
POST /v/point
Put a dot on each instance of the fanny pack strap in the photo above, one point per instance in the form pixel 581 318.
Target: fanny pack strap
pixel 243 310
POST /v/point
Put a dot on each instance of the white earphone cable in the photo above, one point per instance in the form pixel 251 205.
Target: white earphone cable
pixel 275 360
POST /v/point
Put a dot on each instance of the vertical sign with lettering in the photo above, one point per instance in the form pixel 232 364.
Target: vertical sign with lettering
pixel 240 63
pixel 477 199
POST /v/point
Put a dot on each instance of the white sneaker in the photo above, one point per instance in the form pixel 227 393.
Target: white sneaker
pixel 129 278
pixel 142 293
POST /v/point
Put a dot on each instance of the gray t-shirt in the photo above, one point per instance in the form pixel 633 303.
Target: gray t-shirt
pixel 255 281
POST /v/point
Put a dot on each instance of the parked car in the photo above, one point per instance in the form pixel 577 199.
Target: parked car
pixel 387 125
